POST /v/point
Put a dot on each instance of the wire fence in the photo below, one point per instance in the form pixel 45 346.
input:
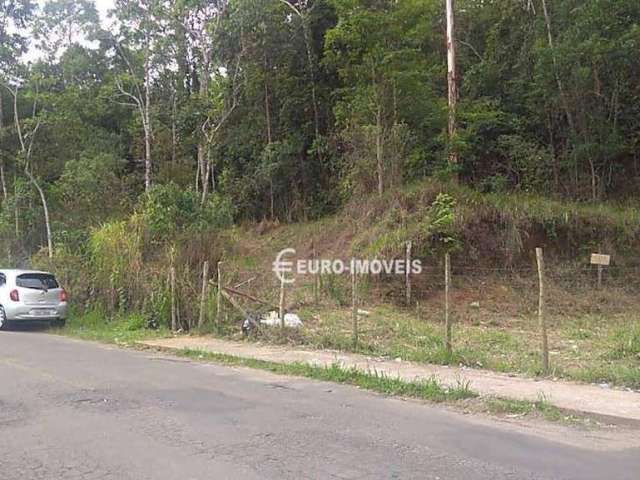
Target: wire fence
pixel 395 314
pixel 616 287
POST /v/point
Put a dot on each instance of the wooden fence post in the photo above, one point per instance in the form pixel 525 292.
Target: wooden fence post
pixel 203 294
pixel 407 273
pixel 174 309
pixel 447 320
pixel 316 276
pixel 599 276
pixel 281 302
pixel 219 297
pixel 354 307
pixel 541 308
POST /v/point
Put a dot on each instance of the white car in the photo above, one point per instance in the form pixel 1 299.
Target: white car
pixel 29 295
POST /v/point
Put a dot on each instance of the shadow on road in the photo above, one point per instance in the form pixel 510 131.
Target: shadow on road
pixel 28 327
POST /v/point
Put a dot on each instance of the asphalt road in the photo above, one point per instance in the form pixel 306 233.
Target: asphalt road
pixel 79 410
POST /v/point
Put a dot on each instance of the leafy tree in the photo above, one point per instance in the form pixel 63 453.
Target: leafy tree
pixel 61 23
pixel 380 50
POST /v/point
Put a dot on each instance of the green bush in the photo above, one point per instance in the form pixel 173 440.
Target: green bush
pixel 168 209
pixel 115 253
pixel 90 191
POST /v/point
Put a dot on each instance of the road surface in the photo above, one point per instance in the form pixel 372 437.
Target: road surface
pixel 80 410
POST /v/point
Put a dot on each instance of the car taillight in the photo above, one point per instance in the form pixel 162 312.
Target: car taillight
pixel 13 295
pixel 63 295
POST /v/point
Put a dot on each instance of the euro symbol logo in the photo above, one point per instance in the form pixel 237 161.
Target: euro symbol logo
pixel 282 267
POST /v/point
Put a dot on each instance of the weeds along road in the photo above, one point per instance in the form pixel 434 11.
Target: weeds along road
pixel 79 410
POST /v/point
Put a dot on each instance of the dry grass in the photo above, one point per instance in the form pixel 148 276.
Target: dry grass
pixel 494 298
pixel 496 328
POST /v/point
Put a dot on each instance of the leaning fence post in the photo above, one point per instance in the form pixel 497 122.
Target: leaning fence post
pixel 407 272
pixel 219 296
pixel 447 320
pixel 203 295
pixel 541 317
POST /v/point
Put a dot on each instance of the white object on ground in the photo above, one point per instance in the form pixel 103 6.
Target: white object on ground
pixel 273 319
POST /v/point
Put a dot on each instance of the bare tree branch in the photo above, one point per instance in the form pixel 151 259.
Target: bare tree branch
pixel 471 47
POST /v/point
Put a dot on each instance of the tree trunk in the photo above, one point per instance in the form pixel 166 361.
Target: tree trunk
pixel 594 180
pixel 451 81
pixel 26 153
pixel 2 179
pixel 45 208
pixel 203 144
pixel 202 168
pixel 271 202
pixel 16 208
pixel 147 160
pixel 267 114
pixel 554 155
pixel 146 120
pixel 379 153
pixel 312 75
pixel 267 101
pixel 174 133
pixel 563 97
pixel 207 174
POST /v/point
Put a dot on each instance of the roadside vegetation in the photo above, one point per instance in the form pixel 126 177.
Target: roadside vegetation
pixel 542 408
pixel 198 132
pixel 591 348
pixel 460 395
pixel 430 389
pixel 594 334
pixel 121 329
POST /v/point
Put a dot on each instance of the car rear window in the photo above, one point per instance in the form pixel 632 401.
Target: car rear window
pixel 39 281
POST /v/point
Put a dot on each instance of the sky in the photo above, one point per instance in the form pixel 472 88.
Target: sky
pixel 103 7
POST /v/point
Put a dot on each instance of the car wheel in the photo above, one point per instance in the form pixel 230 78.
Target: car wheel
pixel 3 318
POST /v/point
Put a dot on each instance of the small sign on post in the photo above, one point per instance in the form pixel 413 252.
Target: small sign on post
pixel 601 261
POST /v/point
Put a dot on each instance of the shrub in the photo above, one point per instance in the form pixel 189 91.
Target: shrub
pixel 115 253
pixel 169 209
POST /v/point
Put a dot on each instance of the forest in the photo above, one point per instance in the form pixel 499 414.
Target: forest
pixel 194 115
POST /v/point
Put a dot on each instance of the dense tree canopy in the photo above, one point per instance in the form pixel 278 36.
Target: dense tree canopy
pixel 286 108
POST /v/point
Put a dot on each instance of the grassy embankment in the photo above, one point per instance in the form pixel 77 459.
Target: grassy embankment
pixel 594 334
